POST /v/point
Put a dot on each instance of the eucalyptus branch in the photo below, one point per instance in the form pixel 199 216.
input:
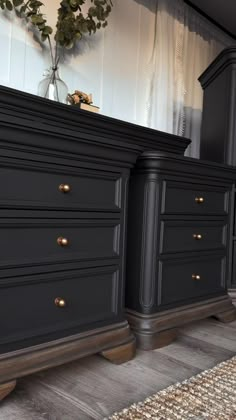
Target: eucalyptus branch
pixel 71 24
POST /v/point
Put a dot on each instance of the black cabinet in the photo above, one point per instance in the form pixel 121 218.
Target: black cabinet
pixel 179 225
pixel 218 134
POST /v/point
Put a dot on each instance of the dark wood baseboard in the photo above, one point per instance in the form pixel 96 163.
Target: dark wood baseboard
pixel 159 329
pixel 114 342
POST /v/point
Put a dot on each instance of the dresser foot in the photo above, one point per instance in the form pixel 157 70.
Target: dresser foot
pixel 227 316
pixel 155 340
pixel 6 389
pixel 160 329
pixel 120 354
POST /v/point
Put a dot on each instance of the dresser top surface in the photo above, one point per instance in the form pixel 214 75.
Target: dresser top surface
pixel 24 109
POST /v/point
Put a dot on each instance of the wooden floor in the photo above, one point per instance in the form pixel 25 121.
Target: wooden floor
pixel 92 388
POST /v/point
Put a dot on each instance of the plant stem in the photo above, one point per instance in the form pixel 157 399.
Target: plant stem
pixel 51 52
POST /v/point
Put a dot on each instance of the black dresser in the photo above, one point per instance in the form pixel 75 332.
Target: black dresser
pixel 179 225
pixel 63 210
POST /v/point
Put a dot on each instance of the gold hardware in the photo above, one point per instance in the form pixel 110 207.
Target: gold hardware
pixel 196 277
pixel 197 237
pixel 61 303
pixel 62 241
pixel 199 200
pixel 65 188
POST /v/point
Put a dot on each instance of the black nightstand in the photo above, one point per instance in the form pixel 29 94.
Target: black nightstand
pixel 178 229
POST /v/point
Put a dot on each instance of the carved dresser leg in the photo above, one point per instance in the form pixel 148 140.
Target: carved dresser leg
pixel 6 389
pixel 227 316
pixel 156 339
pixel 121 354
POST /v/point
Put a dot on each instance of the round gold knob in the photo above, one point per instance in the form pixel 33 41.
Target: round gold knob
pixel 61 303
pixel 65 188
pixel 196 277
pixel 62 241
pixel 199 200
pixel 196 236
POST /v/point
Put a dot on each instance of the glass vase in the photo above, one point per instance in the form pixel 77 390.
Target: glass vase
pixel 52 86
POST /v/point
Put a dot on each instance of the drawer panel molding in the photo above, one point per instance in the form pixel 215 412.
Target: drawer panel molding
pixel 178 237
pixel 37 187
pixel 185 198
pixel 45 241
pixel 89 297
pixel 184 280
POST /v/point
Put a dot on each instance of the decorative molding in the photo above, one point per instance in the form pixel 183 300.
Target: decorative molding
pixel 26 361
pixel 96 136
pixel 109 246
pixel 149 244
pixel 148 329
pixel 180 240
pixel 107 266
pixel 195 169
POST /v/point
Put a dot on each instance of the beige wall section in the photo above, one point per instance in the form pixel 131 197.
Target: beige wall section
pixel 112 65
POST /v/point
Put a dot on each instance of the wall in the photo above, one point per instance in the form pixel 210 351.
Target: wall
pixel 112 64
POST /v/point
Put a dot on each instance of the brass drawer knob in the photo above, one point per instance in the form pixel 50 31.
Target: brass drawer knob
pixel 197 236
pixel 196 277
pixel 199 200
pixel 60 302
pixel 65 188
pixel 62 241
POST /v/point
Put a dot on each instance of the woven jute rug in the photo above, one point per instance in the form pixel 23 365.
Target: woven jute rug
pixel 210 395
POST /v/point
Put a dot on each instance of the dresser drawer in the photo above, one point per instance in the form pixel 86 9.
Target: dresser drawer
pixel 38 309
pixel 194 199
pixel 83 189
pixel 182 280
pixel 41 242
pixel 192 236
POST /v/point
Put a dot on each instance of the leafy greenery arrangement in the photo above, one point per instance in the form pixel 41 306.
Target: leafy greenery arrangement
pixel 70 26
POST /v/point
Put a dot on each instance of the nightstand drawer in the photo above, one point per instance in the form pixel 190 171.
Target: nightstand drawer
pixel 193 199
pixel 192 236
pixel 46 241
pixel 184 280
pixel 57 188
pixel 66 302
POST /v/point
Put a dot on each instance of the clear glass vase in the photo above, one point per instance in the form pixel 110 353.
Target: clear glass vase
pixel 52 87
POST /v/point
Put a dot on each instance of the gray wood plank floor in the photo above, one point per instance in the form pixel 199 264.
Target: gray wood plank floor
pixel 93 388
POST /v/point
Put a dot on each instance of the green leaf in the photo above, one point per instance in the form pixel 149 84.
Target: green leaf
pixel 60 36
pixel 37 19
pixel 73 3
pixel 47 30
pixel 35 4
pixel 17 3
pixel 9 5
pixel 23 9
pixel 92 11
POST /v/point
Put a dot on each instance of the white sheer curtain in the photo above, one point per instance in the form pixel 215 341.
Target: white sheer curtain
pixel 185 43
